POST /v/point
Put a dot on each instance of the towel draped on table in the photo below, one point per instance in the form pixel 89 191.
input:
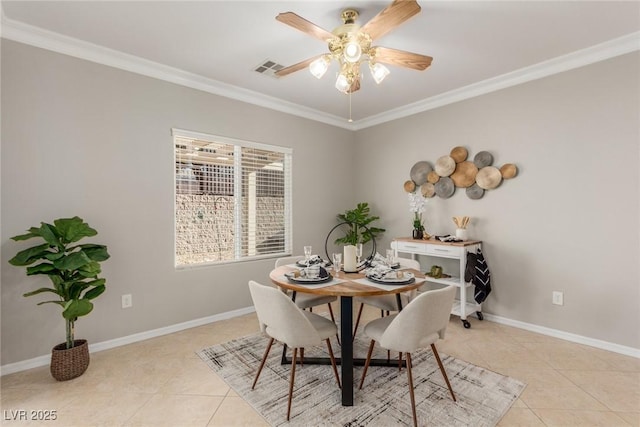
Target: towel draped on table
pixel 477 272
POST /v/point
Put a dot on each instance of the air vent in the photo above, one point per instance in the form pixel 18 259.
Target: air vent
pixel 268 67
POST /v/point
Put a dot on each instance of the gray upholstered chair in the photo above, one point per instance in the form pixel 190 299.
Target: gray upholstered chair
pixel 421 323
pixel 387 303
pixel 282 320
pixel 303 300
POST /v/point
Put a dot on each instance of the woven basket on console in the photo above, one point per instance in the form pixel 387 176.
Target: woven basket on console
pixel 67 364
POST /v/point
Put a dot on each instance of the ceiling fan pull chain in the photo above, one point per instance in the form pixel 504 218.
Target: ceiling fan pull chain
pixel 350 120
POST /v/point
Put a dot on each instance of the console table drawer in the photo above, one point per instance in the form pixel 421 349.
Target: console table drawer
pixel 444 251
pixel 413 248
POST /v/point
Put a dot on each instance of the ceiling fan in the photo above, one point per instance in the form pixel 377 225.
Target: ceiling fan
pixel 350 45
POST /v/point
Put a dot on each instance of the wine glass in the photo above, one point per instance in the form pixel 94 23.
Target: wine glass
pixel 358 253
pixel 307 254
pixel 390 257
pixel 336 259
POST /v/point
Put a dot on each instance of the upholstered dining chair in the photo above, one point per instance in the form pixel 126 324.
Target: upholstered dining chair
pixel 304 300
pixel 421 323
pixel 387 303
pixel 282 320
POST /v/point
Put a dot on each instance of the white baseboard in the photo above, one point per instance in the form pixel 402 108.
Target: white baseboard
pixel 567 336
pixel 46 359
pixel 129 339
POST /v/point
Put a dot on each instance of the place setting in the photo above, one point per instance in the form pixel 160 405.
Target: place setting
pixel 312 274
pixel 310 259
pixel 312 271
pixel 385 273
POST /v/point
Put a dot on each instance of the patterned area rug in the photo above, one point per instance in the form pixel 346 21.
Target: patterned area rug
pixel 483 396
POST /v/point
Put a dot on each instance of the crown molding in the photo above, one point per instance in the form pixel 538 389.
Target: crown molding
pixel 49 40
pixel 600 52
pixel 45 39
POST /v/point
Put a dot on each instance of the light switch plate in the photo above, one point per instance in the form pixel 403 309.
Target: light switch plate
pixel 558 298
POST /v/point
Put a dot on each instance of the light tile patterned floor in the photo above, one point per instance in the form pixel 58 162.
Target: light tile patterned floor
pixel 161 382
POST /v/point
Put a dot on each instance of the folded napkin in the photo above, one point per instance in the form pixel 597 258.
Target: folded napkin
pixel 448 238
pixel 314 259
pixel 378 271
pixel 323 273
pixel 380 260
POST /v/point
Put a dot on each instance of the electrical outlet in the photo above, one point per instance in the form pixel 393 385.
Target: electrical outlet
pixel 558 298
pixel 127 301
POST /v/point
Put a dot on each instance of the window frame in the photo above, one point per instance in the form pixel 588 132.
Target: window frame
pixel 238 145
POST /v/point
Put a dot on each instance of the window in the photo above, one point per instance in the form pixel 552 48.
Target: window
pixel 232 199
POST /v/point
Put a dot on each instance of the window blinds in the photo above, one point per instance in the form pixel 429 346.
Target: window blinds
pixel 232 199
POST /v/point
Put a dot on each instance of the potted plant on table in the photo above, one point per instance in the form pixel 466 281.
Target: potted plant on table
pixel 73 270
pixel 359 220
pixel 417 205
pixel 359 232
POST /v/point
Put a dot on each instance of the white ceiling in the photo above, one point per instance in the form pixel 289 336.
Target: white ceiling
pixel 477 46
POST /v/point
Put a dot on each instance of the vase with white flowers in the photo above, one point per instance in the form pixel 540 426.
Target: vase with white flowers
pixel 417 205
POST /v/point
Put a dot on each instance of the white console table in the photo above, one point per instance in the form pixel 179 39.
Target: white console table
pixel 458 251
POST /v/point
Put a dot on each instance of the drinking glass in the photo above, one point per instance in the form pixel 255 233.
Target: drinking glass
pixel 336 259
pixel 307 253
pixel 390 257
pixel 358 253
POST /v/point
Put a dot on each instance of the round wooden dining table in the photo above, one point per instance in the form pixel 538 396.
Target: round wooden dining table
pixel 345 290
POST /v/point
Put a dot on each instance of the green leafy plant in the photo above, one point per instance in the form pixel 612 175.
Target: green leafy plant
pixel 359 221
pixel 72 269
pixel 417 221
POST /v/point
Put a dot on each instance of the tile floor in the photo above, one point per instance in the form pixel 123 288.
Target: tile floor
pixel 162 382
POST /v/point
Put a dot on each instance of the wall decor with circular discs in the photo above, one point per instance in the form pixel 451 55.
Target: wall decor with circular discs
pixel 456 171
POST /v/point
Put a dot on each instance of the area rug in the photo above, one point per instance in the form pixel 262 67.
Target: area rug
pixel 483 396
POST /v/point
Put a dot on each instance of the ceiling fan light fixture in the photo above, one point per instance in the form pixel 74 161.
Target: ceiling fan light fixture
pixel 378 72
pixel 352 51
pixel 319 67
pixel 342 83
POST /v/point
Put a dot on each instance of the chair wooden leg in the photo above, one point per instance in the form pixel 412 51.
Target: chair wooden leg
pixel 302 356
pixel 413 398
pixel 400 362
pixel 366 364
pixel 355 329
pixel 264 359
pixel 333 362
pixel 291 380
pixel 444 373
pixel 333 319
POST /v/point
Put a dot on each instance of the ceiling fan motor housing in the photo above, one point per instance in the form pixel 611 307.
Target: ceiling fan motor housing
pixel 350 43
pixel 349 16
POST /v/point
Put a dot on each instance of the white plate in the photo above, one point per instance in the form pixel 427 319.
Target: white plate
pixel 307 280
pixel 405 280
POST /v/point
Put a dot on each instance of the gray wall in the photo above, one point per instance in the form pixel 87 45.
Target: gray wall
pixel 84 139
pixel 568 222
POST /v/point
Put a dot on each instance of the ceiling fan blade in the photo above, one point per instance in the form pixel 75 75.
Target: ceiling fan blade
pixel 295 67
pixel 401 58
pixel 389 18
pixel 299 23
pixel 354 86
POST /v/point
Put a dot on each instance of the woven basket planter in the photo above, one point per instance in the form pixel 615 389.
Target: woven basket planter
pixel 67 364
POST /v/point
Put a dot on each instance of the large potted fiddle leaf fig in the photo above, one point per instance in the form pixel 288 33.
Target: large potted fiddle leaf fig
pixel 73 270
